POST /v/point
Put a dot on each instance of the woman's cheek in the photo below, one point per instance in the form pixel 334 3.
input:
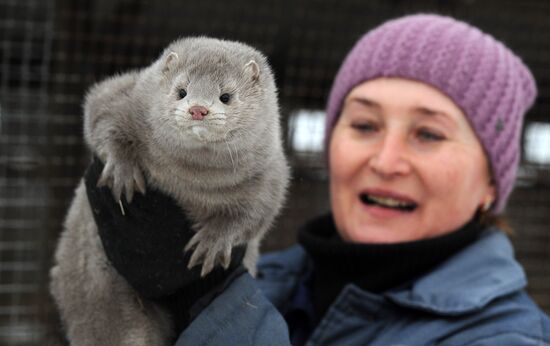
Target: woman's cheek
pixel 453 183
pixel 443 175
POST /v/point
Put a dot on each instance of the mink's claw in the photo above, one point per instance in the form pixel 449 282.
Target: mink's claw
pixel 122 177
pixel 209 251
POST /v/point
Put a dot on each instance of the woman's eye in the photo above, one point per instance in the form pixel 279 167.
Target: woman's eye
pixel 225 98
pixel 182 93
pixel 363 127
pixel 428 135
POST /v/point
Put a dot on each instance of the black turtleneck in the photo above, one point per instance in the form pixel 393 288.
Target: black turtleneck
pixel 372 267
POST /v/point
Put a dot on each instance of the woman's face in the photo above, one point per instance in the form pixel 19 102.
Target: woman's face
pixel 404 164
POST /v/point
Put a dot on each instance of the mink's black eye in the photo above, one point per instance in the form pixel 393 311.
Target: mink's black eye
pixel 182 93
pixel 225 98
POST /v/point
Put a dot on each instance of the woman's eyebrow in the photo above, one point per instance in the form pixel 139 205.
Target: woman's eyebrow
pixel 365 102
pixel 429 111
pixel 435 113
pixel 422 110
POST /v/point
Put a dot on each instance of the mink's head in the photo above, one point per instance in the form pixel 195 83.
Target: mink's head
pixel 211 93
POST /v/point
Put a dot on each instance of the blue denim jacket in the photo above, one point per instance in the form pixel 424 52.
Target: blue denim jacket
pixel 476 297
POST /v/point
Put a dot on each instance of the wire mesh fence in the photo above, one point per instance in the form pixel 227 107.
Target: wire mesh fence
pixel 52 51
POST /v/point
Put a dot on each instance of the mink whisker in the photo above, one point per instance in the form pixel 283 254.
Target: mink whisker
pixel 231 157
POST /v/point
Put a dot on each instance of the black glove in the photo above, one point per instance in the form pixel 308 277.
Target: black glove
pixel 144 241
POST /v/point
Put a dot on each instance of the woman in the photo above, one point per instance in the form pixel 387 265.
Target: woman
pixel 422 139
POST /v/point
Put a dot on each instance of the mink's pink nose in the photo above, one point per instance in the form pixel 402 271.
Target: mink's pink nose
pixel 198 112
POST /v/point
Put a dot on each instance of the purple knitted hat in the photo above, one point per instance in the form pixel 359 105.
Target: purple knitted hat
pixel 485 79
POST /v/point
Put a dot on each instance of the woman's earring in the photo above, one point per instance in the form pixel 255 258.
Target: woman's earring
pixel 487 204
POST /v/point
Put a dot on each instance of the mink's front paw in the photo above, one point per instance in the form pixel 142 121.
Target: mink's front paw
pixel 210 251
pixel 122 175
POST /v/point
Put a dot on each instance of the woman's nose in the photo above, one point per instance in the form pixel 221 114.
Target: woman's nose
pixel 390 157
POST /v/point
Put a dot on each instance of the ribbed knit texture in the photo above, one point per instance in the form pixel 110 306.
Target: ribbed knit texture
pixel 485 79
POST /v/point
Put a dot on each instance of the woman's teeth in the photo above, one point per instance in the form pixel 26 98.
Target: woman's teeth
pixel 388 202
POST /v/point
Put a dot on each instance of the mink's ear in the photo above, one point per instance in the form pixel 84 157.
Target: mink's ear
pixel 170 62
pixel 252 70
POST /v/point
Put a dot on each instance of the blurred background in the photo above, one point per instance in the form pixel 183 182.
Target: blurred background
pixel 52 51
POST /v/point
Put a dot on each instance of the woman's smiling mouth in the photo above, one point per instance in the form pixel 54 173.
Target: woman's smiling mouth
pixel 388 200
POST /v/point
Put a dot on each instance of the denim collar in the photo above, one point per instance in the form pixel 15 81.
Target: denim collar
pixel 468 281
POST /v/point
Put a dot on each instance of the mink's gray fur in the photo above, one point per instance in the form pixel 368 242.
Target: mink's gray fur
pixel 226 170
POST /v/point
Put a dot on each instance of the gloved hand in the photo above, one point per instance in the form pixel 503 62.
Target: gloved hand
pixel 144 241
